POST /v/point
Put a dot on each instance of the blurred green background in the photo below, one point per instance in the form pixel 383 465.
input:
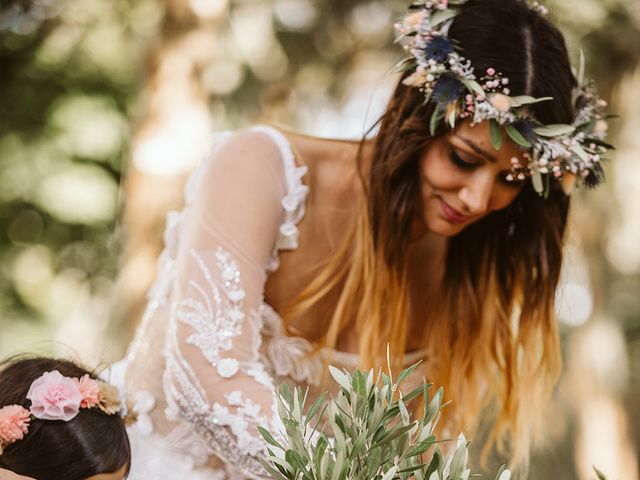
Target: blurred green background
pixel 106 105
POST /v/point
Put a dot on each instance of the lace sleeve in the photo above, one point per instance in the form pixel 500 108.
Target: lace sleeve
pixel 213 378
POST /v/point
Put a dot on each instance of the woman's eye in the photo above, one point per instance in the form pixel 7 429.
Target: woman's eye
pixel 459 162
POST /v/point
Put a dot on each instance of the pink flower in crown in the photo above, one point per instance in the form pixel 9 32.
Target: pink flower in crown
pixel 54 397
pixel 14 423
pixel 89 391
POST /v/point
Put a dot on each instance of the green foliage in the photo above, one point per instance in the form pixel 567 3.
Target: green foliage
pixel 496 134
pixel 599 474
pixel 373 434
pixel 516 136
pixel 70 74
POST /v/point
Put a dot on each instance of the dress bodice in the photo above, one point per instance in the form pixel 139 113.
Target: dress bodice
pixel 210 352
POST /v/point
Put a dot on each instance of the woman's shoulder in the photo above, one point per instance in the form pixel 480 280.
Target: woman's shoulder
pixel 258 160
pixel 281 154
pixel 257 144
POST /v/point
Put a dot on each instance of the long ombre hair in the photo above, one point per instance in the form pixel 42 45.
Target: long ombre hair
pixel 491 327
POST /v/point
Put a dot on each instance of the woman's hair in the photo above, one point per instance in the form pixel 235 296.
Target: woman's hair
pixel 90 444
pixel 490 327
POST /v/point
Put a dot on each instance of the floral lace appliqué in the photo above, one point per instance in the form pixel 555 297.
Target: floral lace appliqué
pixel 246 412
pixel 215 312
pixel 213 309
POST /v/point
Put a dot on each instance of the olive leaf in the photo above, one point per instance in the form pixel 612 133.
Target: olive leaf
pixel 473 86
pixel 436 117
pixel 601 476
pixel 554 130
pixel 522 100
pixel 375 433
pixel 536 179
pixel 578 150
pixel 496 134
pixel 441 17
pixel 516 136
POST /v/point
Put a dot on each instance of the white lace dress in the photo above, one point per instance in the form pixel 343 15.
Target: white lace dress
pixel 209 352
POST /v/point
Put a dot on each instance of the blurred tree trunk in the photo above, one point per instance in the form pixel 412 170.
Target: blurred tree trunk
pixel 598 360
pixel 168 142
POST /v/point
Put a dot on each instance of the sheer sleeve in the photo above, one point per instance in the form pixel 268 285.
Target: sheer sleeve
pixel 214 378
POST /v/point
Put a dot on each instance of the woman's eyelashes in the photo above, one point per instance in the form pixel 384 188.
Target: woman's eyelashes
pixel 465 165
pixel 461 163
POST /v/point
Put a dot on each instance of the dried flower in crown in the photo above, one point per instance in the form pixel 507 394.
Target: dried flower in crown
pixel 110 402
pixel 449 81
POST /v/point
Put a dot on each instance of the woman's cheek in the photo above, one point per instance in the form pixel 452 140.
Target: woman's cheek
pixel 438 171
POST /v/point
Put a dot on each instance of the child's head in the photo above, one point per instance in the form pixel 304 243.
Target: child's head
pixel 71 428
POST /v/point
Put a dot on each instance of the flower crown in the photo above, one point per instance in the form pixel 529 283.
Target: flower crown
pixel 569 153
pixel 56 397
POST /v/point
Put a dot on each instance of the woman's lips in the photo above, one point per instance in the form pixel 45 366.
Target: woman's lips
pixel 451 214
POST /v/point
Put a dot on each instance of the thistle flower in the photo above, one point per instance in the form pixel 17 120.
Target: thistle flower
pixel 526 130
pixel 447 90
pixel 438 49
pixel 594 178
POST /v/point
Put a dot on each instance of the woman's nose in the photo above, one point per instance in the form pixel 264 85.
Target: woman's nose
pixel 476 195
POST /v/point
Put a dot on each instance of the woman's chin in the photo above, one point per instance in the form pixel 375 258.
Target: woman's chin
pixel 443 227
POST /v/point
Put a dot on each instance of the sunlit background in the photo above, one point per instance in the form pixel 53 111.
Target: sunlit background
pixel 107 105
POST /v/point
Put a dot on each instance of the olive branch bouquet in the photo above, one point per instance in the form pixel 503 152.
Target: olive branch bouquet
pixel 373 434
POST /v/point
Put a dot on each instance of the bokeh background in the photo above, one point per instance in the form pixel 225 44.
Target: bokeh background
pixel 107 105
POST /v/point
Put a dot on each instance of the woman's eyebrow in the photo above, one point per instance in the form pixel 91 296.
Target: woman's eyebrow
pixel 476 149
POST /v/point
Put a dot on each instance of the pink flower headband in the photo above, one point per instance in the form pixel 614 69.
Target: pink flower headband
pixel 56 397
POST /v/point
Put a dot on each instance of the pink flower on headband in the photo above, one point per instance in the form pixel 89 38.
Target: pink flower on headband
pixel 54 397
pixel 14 423
pixel 89 391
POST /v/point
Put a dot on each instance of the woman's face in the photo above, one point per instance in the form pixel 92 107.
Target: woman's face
pixel 463 178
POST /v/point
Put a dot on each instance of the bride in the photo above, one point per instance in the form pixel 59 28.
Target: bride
pixel 441 236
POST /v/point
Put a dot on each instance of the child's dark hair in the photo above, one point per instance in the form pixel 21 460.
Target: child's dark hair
pixel 90 444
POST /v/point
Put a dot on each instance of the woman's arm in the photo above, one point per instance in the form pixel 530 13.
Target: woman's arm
pixel 214 377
